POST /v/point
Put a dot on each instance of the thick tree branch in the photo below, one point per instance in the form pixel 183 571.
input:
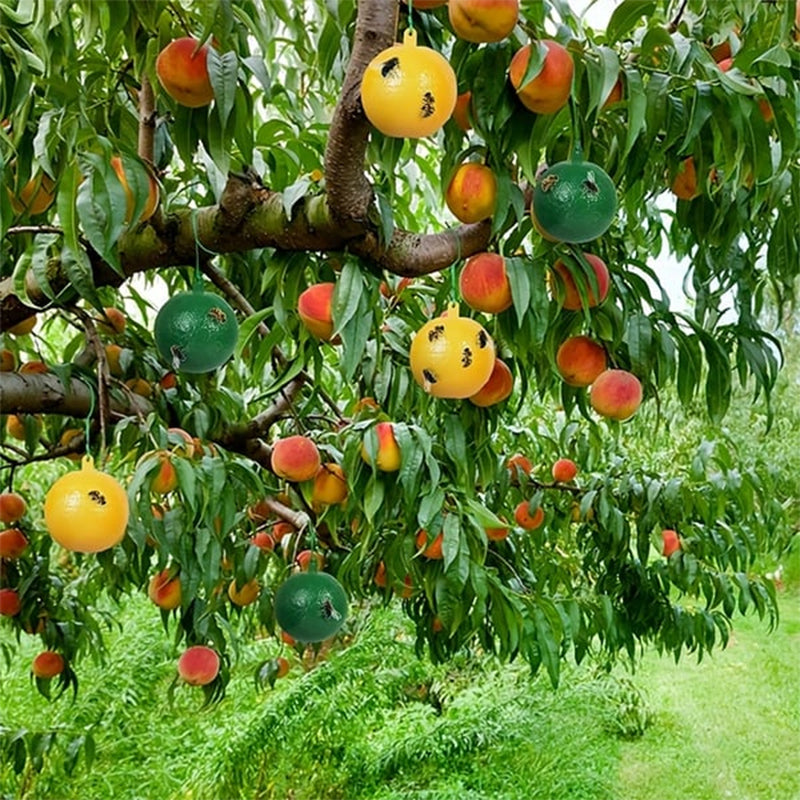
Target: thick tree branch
pixel 349 193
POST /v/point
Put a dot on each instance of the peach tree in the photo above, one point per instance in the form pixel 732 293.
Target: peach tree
pixel 262 171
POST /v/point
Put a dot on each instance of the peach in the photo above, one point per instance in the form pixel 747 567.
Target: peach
pixel 35 197
pixel 287 639
pixel 281 529
pixel 24 327
pixel 497 534
pixel 432 550
pixel 8 361
pixel 140 386
pixel 113 357
pixel 168 380
pixel 164 589
pixel 9 603
pixel 684 185
pixel 518 465
pixel 295 458
pixel 263 541
pixel 149 207
pixel 527 519
pixel 725 64
pixel 35 367
pixel 471 194
pixel 615 95
pixel 549 91
pixel 330 486
pixel 483 20
pixel 166 479
pixel 766 110
pixel 388 454
pixel 183 444
pixel 198 665
pixel 12 507
pixel 571 298
pixel 246 595
pixel 616 394
pixel 670 542
pixel 113 321
pixel 564 470
pixel 484 283
pixel 580 360
pixel 15 425
pixel 259 511
pixel 182 69
pixel 283 666
pixel 315 308
pixel 380 575
pixel 497 389
pixel 721 51
pixel 461 112
pixel 65 440
pixel 12 543
pixel 303 560
pixel 48 664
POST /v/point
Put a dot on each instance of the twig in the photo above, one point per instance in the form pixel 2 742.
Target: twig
pixel 673 26
pixel 18 229
pixel 147 122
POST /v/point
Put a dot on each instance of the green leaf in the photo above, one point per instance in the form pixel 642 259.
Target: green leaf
pixel 222 71
pixel 519 280
pixel 625 16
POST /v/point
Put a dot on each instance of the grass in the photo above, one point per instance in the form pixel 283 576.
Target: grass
pixel 374 723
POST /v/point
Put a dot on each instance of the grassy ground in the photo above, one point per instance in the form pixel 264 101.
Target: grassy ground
pixel 373 722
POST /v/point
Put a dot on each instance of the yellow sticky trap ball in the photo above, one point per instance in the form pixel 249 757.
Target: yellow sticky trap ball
pixel 452 356
pixel 86 511
pixel 408 91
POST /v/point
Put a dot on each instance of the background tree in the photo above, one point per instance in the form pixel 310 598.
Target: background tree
pixel 280 184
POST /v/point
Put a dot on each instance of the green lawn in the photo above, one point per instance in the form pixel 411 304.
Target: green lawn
pixel 373 722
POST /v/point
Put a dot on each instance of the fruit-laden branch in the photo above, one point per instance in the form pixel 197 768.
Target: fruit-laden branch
pixel 251 216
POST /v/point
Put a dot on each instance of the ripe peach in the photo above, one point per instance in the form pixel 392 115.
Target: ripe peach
pixel 198 665
pixel 246 595
pixel 113 321
pixel 66 437
pixel 263 541
pixel 12 543
pixel 461 111
pixel 12 507
pixel 616 394
pixel 518 465
pixel 166 479
pixel 315 307
pixel 670 542
pixel 497 389
pixel 497 534
pixel 35 367
pixel 283 667
pixel 35 197
pixel 15 425
pixel 725 64
pixel 527 519
pixel 483 20
pixel 183 444
pixel 259 511
pixel 9 603
pixel 113 357
pixel 580 360
pixel 471 194
pixel 48 664
pixel 287 639
pixel 571 298
pixel 182 70
pixel 164 589
pixel 432 550
pixel 615 95
pixel 149 207
pixel 721 51
pixel 564 470
pixel 684 185
pixel 484 283
pixel 380 575
pixel 388 455
pixel 8 361
pixel 281 529
pixel 330 486
pixel 168 380
pixel 549 90
pixel 766 110
pixel 303 560
pixel 140 386
pixel 24 327
pixel 295 458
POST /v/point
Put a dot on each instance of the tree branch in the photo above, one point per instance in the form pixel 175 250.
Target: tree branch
pixel 349 192
pixel 147 122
